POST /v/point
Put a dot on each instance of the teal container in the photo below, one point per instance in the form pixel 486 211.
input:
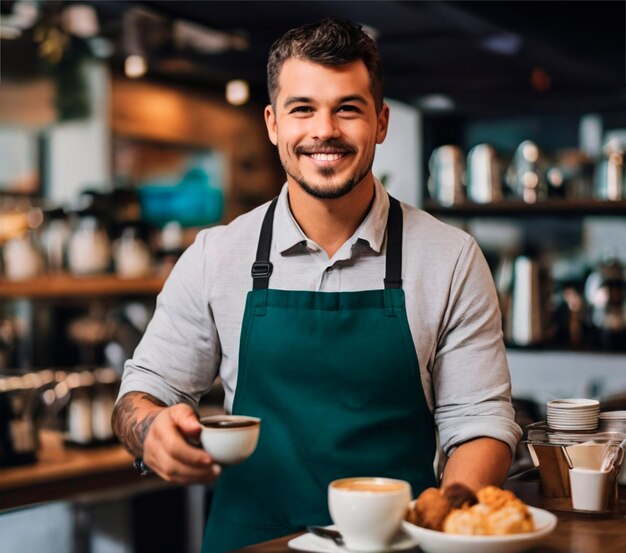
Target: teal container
pixel 193 202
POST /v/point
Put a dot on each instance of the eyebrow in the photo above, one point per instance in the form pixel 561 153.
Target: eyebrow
pixel 306 100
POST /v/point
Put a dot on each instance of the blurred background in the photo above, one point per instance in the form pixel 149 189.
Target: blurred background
pixel 125 127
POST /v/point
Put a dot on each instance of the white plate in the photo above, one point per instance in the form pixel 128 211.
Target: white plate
pixel 573 404
pixel 613 415
pixel 573 419
pixel 432 541
pixel 573 425
pixel 571 422
pixel 316 544
pixel 573 414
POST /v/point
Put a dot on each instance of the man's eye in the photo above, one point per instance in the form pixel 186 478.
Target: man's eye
pixel 301 109
pixel 349 108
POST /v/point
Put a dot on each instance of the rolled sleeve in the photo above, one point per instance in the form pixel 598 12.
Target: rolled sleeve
pixel 471 380
pixel 178 357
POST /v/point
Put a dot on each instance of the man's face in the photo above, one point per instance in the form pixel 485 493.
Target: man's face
pixel 325 126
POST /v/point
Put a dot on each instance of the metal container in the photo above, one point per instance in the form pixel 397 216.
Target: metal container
pixel 609 179
pixel 525 322
pixel 447 171
pixel 551 461
pixel 18 433
pixel 526 175
pixel 550 453
pixel 483 179
pixel 605 295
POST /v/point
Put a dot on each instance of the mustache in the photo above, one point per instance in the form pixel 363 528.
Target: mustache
pixel 330 146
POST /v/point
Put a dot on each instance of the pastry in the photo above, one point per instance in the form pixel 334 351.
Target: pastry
pixel 456 510
pixel 434 505
pixel 430 509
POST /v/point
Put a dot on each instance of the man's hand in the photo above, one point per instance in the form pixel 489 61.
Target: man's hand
pixel 167 450
pixel 162 436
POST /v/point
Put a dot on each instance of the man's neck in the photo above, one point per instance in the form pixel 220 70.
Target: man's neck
pixel 330 223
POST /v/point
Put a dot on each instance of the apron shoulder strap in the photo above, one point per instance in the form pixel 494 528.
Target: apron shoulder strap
pixel 262 268
pixel 393 269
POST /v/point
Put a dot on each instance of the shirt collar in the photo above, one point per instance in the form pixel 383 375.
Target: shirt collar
pixel 288 234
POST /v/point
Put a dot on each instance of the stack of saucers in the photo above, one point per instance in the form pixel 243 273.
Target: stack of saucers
pixel 573 414
pixel 613 421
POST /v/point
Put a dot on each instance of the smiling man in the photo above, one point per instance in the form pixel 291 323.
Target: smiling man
pixel 361 331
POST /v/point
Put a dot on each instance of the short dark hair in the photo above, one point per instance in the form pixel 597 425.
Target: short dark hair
pixel 332 42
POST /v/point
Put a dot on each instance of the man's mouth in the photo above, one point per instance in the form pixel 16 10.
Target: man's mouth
pixel 325 152
pixel 326 157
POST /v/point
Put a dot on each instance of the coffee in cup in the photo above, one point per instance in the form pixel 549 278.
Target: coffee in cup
pixel 368 511
pixel 230 439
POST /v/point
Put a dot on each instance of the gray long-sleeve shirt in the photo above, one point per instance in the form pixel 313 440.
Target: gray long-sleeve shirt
pixel 451 304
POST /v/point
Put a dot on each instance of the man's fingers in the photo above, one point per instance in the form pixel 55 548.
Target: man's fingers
pixel 168 438
pixel 185 418
pixel 174 471
pixel 177 461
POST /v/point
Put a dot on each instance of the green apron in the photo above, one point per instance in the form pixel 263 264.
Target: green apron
pixel 335 379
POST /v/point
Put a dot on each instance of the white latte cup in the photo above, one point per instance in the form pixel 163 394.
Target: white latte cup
pixel 230 439
pixel 590 489
pixel 368 511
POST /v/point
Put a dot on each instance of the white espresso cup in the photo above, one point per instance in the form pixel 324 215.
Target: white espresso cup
pixel 368 511
pixel 230 439
pixel 589 488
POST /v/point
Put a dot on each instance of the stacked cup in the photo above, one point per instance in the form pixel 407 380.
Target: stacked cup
pixel 573 414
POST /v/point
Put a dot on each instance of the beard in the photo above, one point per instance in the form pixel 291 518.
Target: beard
pixel 328 191
pixel 337 191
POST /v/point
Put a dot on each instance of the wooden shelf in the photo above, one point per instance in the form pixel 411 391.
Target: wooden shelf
pixel 67 474
pixel 67 286
pixel 516 208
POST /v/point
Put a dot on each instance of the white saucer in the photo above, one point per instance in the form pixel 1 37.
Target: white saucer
pixel 316 544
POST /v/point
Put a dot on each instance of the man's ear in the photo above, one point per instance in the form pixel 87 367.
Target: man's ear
pixel 382 124
pixel 270 123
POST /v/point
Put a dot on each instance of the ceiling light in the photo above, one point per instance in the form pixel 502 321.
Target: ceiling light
pixel 436 102
pixel 506 44
pixel 237 92
pixel 135 66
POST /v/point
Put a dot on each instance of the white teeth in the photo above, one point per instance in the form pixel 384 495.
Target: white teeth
pixel 326 157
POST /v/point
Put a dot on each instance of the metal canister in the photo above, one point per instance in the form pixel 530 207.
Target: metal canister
pixel 483 179
pixel 447 171
pixel 526 174
pixel 609 178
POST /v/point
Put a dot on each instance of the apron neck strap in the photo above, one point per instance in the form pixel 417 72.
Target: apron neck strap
pixel 393 268
pixel 262 268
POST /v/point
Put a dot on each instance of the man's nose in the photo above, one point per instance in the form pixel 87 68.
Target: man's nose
pixel 324 126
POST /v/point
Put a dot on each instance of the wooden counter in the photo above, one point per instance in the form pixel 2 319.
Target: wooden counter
pixel 575 533
pixel 67 473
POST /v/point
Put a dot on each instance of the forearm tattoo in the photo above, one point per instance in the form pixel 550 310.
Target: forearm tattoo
pixel 129 428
